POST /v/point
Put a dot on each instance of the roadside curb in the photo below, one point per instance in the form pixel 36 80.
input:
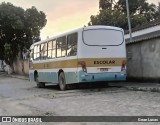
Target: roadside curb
pixel 19 77
pixel 148 88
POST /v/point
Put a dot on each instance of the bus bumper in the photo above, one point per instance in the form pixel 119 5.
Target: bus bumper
pixel 95 77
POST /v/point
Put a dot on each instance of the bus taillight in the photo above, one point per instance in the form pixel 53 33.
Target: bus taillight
pixel 123 67
pixel 83 65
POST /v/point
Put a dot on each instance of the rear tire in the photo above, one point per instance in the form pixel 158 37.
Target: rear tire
pixel 39 84
pixel 62 81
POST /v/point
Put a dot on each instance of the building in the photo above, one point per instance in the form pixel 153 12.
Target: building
pixel 143 53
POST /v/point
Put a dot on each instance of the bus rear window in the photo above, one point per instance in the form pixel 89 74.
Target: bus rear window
pixel 103 37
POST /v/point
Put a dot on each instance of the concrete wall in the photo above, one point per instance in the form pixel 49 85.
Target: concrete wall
pixel 21 66
pixel 143 60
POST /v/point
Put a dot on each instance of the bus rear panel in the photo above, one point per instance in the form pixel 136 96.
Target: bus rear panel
pixel 102 54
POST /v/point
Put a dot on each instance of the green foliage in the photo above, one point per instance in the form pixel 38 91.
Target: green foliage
pixel 18 28
pixel 157 14
pixel 105 4
pixel 109 17
pixel 115 14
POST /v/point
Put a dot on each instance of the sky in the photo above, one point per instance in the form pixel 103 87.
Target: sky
pixel 62 15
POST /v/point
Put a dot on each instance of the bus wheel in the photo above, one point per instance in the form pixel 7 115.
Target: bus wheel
pixel 39 84
pixel 62 81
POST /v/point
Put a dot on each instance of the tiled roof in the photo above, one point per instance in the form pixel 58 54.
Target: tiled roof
pixel 144 26
pixel 144 32
pixel 144 37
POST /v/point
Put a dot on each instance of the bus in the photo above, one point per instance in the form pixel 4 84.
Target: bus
pixel 88 54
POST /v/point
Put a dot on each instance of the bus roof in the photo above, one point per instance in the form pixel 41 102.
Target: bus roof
pixel 76 30
pixel 101 27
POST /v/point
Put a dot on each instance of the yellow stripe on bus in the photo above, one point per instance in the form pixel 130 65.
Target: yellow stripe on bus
pixel 92 62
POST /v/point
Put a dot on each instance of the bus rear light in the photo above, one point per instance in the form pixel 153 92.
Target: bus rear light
pixel 123 67
pixel 83 65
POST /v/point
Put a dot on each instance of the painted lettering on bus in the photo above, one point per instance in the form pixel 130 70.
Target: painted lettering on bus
pixel 105 62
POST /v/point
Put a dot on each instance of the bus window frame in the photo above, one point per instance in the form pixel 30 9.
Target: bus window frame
pixel 51 49
pixel 72 45
pixel 42 51
pixel 65 36
pixel 35 53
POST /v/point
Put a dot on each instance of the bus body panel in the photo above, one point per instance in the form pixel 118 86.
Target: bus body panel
pixel 48 70
pixel 47 76
pixel 31 75
pixel 95 77
pixel 102 62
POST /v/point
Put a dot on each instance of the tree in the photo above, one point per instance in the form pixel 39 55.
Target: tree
pixel 138 7
pixel 106 4
pixel 115 14
pixel 18 28
pixel 157 14
pixel 109 17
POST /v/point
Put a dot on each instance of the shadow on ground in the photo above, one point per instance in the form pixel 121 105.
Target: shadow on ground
pixel 82 86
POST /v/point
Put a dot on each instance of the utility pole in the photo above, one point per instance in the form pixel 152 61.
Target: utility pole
pixel 129 22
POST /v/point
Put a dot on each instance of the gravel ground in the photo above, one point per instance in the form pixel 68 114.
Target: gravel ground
pixel 21 97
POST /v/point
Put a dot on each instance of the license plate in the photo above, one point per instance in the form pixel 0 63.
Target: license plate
pixel 103 69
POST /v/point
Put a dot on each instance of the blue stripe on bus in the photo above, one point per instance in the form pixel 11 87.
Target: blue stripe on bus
pixel 48 77
pixel 73 77
pixel 31 76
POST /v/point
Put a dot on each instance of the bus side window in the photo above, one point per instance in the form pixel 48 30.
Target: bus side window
pixel 51 49
pixel 54 49
pixel 36 52
pixel 31 55
pixel 44 51
pixel 72 44
pixel 61 46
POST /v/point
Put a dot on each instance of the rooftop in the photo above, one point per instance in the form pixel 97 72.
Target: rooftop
pixel 144 32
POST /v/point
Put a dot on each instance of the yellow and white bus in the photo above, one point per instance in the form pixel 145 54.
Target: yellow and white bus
pixel 87 54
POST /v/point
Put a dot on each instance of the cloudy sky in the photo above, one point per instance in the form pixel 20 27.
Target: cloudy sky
pixel 62 15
